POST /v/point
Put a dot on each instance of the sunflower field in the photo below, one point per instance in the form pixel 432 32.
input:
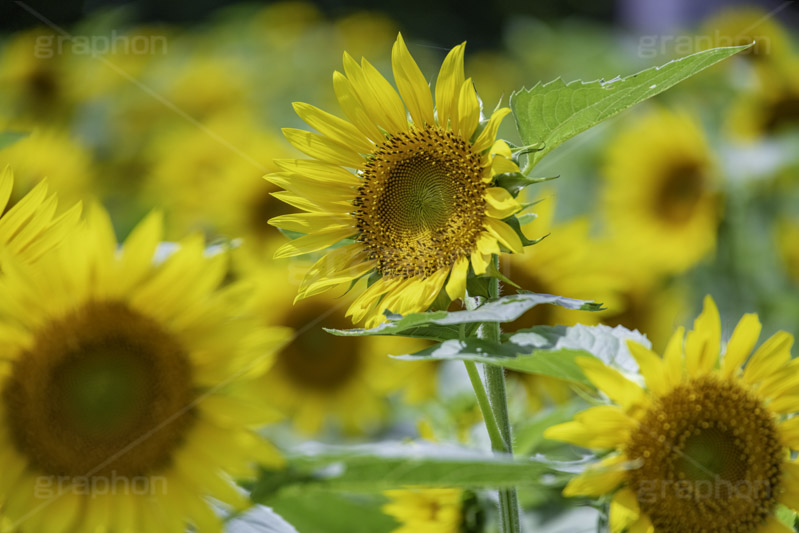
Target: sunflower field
pixel 314 268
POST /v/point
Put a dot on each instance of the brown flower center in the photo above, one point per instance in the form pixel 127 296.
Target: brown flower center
pixel 103 390
pixel 422 205
pixel 710 460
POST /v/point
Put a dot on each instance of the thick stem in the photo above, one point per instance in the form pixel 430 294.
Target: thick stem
pixel 497 440
pixel 495 384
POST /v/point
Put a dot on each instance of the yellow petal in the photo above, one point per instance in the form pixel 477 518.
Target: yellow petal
pixel 790 485
pixel 703 343
pixel 383 109
pixel 412 85
pixel 741 343
pixel 673 358
pixel 651 367
pixel 610 381
pixel 313 242
pixel 456 286
pixel 468 110
pixel 773 525
pixel 480 262
pixel 643 525
pixel 450 79
pixel 323 148
pixel 352 106
pixel 504 234
pixel 624 510
pixel 599 428
pixel 599 479
pixel 310 222
pixel 500 203
pixel 337 129
pixel 319 171
pixel 771 356
pixel 489 134
pixel 789 432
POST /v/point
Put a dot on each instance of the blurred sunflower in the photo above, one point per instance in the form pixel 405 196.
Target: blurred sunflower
pixel 127 386
pixel 660 194
pixel 35 84
pixel 743 25
pixel 705 446
pixel 53 154
pixel 320 379
pixel 788 245
pixel 771 109
pixel 421 207
pixel 29 228
pixel 426 510
pixel 224 162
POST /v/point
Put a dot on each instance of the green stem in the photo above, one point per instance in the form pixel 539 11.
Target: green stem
pixel 495 383
pixel 497 440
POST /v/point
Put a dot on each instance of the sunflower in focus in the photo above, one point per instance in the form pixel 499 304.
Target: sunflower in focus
pixel 660 192
pixel 426 510
pixel 29 228
pixel 127 394
pixel 704 445
pixel 421 206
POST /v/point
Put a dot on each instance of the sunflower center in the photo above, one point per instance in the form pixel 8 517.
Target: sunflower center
pixel 421 206
pixel 316 360
pixel 680 192
pixel 102 390
pixel 782 114
pixel 710 460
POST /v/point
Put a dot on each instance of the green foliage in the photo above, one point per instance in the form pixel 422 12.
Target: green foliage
pixel 443 325
pixel 552 113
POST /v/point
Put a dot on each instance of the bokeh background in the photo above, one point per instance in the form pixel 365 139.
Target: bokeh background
pixel 178 107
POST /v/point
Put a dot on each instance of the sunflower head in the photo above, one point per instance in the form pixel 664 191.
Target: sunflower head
pixel 705 445
pixel 408 183
pixel 127 394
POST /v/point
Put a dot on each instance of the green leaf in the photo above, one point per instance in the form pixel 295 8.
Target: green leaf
pixel 390 465
pixel 559 363
pixel 442 325
pixel 554 112
pixel 7 138
pixel 317 511
pixel 514 182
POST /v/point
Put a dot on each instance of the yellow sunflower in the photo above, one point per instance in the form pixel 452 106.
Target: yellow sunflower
pixel 743 25
pixel 28 228
pixel 127 386
pixel 704 446
pixel 773 107
pixel 320 381
pixel 660 192
pixel 426 510
pixel 421 206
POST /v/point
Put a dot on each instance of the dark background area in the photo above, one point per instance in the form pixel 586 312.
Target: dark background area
pixel 449 20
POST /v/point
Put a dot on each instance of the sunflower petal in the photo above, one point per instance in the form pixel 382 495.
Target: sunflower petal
pixel 456 286
pixel 703 343
pixel 743 340
pixel 450 79
pixel 624 510
pixel 610 381
pixel 323 148
pixel 500 203
pixel 412 85
pixel 339 130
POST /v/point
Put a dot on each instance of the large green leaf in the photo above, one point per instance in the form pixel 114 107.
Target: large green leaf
pixel 551 113
pixel 390 465
pixel 545 350
pixel 320 511
pixel 442 325
pixel 558 363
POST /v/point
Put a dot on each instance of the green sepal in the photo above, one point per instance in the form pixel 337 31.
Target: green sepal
pixel 515 182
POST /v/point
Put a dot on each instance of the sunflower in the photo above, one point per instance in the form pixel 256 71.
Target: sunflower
pixel 660 192
pixel 771 109
pixel 744 25
pixel 29 228
pixel 426 510
pixel 704 446
pixel 320 381
pixel 421 206
pixel 127 387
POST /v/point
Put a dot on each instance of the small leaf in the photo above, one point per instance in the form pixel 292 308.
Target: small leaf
pixel 514 182
pixel 441 325
pixel 554 112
